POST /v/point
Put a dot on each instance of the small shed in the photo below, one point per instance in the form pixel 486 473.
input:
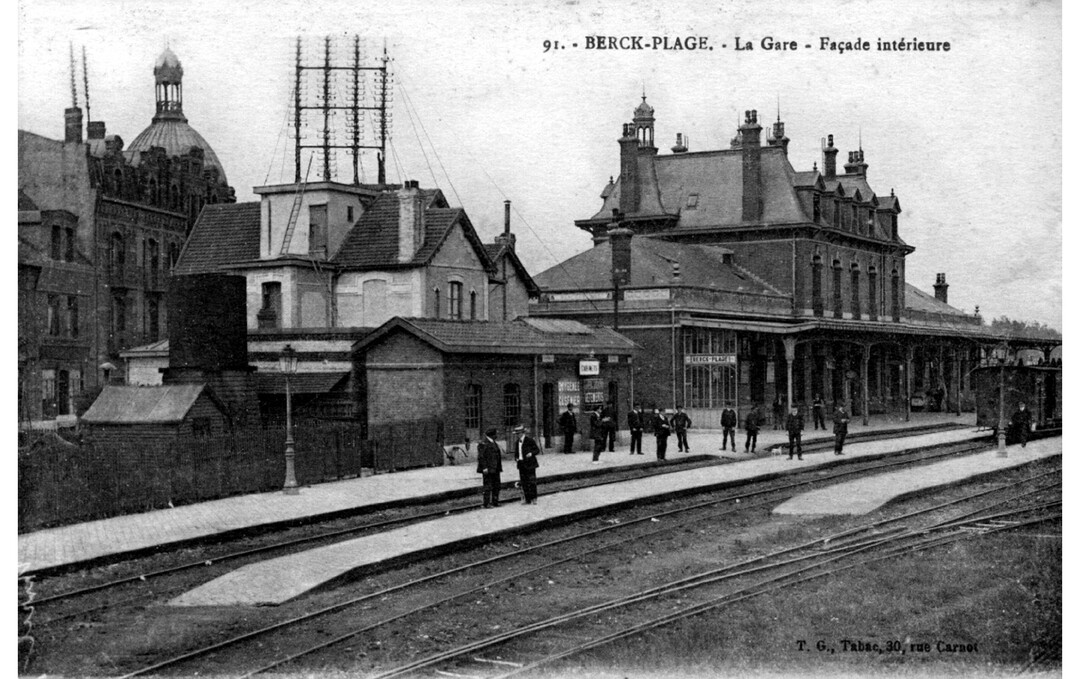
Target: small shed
pixel 126 414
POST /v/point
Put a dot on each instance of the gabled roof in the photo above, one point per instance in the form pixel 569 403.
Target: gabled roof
pixel 496 251
pixel 299 383
pixel 920 301
pixel 225 233
pixel 154 349
pixel 166 404
pixel 514 337
pixel 651 265
pixel 372 242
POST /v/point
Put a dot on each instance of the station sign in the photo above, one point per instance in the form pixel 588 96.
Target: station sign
pixel 589 367
pixel 547 358
pixel 640 295
pixel 710 359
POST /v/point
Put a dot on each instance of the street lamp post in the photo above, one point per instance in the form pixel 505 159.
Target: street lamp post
pixel 287 365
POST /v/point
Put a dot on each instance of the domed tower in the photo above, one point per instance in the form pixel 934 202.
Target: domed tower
pixel 643 124
pixel 169 128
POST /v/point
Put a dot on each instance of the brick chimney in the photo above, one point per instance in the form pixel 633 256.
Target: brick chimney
pixel 752 198
pixel 410 221
pixel 95 129
pixel 680 144
pixel 73 125
pixel 941 289
pixel 830 152
pixel 630 189
pixel 856 163
pixel 778 138
pixel 506 238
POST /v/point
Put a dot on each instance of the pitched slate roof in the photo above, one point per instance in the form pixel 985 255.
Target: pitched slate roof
pixel 225 233
pixel 921 301
pixel 716 178
pixel 372 243
pixel 515 337
pixel 651 265
pixel 164 404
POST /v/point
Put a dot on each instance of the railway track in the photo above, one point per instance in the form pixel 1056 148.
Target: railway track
pixel 213 565
pixel 837 544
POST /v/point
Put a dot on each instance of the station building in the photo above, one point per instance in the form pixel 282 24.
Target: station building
pixel 102 224
pixel 747 281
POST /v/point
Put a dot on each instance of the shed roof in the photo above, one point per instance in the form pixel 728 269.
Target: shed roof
pixel 299 383
pixel 163 404
pixel 514 337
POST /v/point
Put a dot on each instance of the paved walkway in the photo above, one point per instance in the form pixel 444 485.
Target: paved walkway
pixel 275 581
pixel 131 533
pixel 865 495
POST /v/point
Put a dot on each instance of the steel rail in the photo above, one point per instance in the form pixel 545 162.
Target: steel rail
pixel 711 503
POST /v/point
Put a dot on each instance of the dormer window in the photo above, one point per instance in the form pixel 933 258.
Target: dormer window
pixel 691 201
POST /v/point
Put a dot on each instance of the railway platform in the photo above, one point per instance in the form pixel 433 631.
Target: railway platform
pixel 142 533
pixel 278 580
pixel 867 494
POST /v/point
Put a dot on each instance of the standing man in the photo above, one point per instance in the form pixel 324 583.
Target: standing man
pixel 489 463
pixel 681 422
pixel 662 429
pixel 525 455
pixel 568 425
pixel 794 432
pixel 1021 422
pixel 729 419
pixel 753 424
pixel 840 421
pixel 598 434
pixel 777 413
pixel 819 412
pixel 609 425
pixel 635 420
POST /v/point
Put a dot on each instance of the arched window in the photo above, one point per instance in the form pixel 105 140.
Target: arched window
pixel 816 297
pixel 69 244
pixel 56 246
pixel 837 290
pixel 174 197
pixel 118 182
pixel 472 305
pixel 856 305
pixel 895 296
pixel 174 254
pixel 153 257
pixel 437 299
pixel 872 302
pixel 836 212
pixel 151 192
pixel 116 252
pixel 511 404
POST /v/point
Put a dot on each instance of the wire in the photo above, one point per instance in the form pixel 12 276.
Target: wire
pixel 434 150
pixel 419 143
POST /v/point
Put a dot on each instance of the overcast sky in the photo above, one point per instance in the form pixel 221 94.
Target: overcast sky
pixel 970 139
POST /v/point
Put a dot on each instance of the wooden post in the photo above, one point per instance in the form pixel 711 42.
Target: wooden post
pixel 866 384
pixel 789 358
pixel 909 360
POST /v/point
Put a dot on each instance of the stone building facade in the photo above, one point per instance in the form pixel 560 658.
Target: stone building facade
pixel 130 212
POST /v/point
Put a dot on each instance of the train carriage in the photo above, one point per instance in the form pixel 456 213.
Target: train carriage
pixel 1038 387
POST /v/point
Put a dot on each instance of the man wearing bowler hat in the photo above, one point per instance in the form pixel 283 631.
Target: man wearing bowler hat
pixel 525 454
pixel 489 463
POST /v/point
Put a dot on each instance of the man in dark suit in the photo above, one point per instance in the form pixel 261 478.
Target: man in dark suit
pixel 680 423
pixel 840 422
pixel 636 422
pixel 662 430
pixel 525 455
pixel 489 463
pixel 729 419
pixel 1021 424
pixel 794 425
pixel 568 425
pixel 819 412
pixel 597 432
pixel 753 425
pixel 607 421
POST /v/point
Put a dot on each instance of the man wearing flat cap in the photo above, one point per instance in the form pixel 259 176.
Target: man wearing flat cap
pixel 489 463
pixel 525 455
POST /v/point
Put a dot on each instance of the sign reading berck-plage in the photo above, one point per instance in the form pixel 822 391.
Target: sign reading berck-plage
pixel 728 359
